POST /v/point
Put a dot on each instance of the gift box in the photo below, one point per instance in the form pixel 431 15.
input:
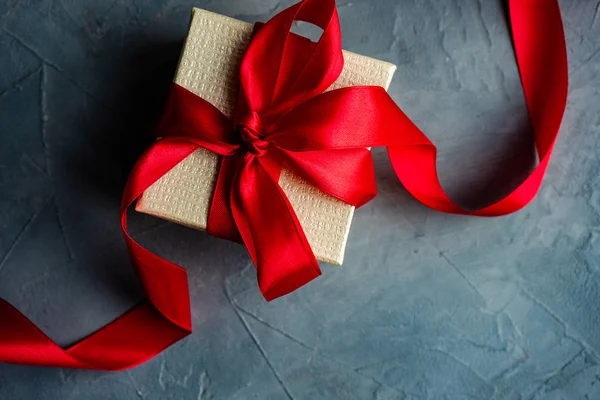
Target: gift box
pixel 209 67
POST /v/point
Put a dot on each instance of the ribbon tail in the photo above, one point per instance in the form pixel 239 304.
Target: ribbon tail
pixel 21 342
pixel 542 59
pixel 139 334
pixel 271 231
pixel 165 282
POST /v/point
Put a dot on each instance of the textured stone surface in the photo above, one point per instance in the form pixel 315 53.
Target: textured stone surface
pixel 426 306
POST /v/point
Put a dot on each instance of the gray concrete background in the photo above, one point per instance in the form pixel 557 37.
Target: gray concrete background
pixel 427 305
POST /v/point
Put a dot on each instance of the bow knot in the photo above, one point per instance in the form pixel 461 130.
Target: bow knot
pixel 249 128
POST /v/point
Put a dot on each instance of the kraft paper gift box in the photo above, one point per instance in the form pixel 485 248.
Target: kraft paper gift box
pixel 209 67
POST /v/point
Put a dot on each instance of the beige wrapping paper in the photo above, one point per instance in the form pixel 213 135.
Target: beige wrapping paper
pixel 209 67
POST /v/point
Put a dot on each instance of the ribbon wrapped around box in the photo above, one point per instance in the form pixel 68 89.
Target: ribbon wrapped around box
pixel 284 131
pixel 209 68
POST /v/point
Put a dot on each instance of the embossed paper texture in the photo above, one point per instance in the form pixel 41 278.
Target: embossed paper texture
pixel 209 67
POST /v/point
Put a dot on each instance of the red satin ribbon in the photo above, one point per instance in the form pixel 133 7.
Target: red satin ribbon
pixel 283 118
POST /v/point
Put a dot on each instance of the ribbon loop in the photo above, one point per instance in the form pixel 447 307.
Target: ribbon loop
pixel 275 76
pixel 211 129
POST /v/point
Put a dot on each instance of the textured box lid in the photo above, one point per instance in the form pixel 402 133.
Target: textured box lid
pixel 208 67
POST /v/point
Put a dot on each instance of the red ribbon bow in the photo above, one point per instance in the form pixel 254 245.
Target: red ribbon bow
pixel 284 118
